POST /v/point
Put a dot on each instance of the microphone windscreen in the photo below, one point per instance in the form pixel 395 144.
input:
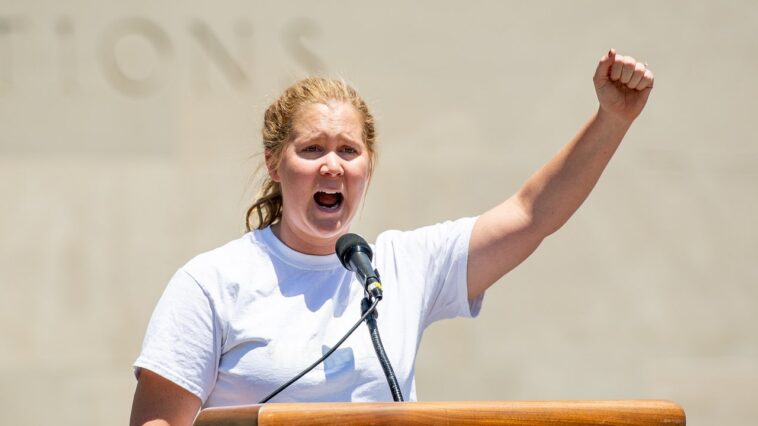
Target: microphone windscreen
pixel 349 244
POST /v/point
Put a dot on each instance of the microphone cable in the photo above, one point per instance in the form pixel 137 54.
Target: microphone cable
pixel 368 312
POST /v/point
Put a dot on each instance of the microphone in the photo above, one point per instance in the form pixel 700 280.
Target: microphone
pixel 355 255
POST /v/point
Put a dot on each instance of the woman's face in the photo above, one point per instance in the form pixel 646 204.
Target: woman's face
pixel 323 172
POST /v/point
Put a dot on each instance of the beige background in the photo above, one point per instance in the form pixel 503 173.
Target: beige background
pixel 128 134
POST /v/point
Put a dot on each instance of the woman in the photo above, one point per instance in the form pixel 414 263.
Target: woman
pixel 236 322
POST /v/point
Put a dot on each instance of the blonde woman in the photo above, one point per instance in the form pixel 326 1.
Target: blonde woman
pixel 236 322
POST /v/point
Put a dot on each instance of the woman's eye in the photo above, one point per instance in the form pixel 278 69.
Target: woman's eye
pixel 349 150
pixel 312 148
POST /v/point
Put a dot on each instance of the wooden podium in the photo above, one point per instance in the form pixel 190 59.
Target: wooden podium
pixel 627 412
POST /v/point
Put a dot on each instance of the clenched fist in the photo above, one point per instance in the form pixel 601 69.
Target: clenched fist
pixel 622 85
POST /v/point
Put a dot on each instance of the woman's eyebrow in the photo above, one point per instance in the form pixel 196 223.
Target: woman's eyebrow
pixel 343 136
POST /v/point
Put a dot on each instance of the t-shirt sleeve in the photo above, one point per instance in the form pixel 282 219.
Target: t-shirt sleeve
pixel 183 338
pixel 441 251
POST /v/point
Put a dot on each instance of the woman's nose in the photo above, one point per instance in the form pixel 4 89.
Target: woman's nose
pixel 332 165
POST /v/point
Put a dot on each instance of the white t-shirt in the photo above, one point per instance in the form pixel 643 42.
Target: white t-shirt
pixel 237 322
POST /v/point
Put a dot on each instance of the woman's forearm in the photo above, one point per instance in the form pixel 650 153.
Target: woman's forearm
pixel 557 189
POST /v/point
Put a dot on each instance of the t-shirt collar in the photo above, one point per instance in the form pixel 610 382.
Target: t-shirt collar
pixel 294 258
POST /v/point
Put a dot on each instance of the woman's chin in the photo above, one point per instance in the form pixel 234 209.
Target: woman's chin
pixel 330 222
pixel 328 229
pixel 316 231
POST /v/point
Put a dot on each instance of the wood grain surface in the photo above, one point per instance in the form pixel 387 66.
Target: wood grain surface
pixel 625 412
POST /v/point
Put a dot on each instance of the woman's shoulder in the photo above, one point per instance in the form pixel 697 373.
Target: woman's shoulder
pixel 228 262
pixel 239 247
pixel 422 244
pixel 442 230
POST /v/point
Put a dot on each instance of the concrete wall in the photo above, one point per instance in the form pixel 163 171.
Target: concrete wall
pixel 129 133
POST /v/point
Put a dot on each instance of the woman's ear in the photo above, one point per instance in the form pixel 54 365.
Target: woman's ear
pixel 271 166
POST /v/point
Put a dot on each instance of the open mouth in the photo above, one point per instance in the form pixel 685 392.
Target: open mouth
pixel 328 200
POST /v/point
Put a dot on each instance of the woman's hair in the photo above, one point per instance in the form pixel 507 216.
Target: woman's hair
pixel 277 133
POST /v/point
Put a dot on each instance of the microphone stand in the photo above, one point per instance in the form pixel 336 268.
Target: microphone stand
pixel 366 304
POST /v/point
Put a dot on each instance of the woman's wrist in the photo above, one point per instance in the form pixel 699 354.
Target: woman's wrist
pixel 612 121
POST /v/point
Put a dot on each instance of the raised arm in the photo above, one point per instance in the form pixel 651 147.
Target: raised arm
pixel 507 234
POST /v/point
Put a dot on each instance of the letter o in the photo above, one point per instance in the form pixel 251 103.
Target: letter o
pixel 154 35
